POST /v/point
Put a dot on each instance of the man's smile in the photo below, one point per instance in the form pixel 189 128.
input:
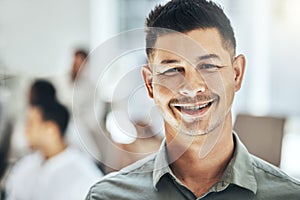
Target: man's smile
pixel 197 109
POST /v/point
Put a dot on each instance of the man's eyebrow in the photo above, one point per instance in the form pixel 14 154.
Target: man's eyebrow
pixel 209 56
pixel 169 61
pixel 204 57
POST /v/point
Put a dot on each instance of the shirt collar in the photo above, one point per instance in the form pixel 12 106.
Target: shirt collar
pixel 161 164
pixel 239 170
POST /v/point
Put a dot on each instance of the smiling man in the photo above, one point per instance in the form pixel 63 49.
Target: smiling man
pixel 192 76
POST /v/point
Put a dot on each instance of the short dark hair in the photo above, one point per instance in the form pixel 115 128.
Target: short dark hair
pixel 57 113
pixel 186 15
pixel 41 91
pixel 43 96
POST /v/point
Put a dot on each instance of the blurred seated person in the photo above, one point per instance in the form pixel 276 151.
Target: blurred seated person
pixel 40 90
pixel 54 170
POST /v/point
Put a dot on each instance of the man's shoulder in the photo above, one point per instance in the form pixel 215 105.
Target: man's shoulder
pixel 74 165
pixel 272 171
pixel 269 176
pixel 128 182
pixel 28 161
pixel 26 167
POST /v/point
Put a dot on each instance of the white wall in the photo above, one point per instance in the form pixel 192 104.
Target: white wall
pixel 37 37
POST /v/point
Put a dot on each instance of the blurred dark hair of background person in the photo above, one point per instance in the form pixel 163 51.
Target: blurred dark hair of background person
pixel 41 91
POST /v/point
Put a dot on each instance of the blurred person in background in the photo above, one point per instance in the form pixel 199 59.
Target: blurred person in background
pixel 53 170
pixel 79 60
pixel 192 76
pixel 77 92
pixel 40 90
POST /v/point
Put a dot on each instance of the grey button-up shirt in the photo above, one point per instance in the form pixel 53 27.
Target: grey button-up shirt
pixel 245 177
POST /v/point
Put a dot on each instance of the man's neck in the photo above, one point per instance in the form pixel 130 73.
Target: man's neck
pixel 53 150
pixel 202 163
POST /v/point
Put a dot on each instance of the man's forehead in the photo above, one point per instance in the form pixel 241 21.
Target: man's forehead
pixel 176 42
pixel 190 45
pixel 174 51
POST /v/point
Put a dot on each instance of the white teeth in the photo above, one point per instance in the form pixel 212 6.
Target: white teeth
pixel 194 107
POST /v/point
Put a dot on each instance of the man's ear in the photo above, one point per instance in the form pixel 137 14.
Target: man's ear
pixel 239 65
pixel 148 79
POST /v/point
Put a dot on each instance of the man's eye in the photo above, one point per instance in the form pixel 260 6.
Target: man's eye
pixel 208 66
pixel 173 71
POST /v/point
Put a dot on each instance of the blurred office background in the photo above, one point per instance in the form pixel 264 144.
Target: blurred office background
pixel 37 39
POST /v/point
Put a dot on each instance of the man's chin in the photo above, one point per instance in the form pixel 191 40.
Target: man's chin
pixel 195 129
pixel 189 131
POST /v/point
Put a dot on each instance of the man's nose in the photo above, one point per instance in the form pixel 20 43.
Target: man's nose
pixel 193 84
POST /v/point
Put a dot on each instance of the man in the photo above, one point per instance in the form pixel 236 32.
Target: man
pixel 192 76
pixel 54 170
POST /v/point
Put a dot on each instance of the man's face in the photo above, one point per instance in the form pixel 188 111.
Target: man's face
pixel 35 127
pixel 192 80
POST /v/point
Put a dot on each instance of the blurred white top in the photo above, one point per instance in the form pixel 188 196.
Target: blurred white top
pixel 68 175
